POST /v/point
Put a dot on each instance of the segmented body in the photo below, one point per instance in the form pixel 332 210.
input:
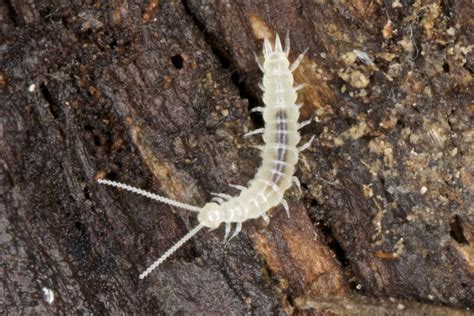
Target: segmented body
pixel 279 156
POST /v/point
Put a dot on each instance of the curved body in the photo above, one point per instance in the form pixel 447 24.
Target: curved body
pixel 279 154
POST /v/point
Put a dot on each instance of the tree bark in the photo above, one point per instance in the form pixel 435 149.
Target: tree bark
pixel 158 95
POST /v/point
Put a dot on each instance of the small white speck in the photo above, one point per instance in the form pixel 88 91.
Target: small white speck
pixel 400 306
pixel 32 87
pixel 397 4
pixel 48 295
pixel 358 286
pixel 430 297
pixel 363 56
pixel 225 112
pixel 423 190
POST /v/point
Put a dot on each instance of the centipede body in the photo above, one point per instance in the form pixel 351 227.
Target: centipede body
pixel 279 155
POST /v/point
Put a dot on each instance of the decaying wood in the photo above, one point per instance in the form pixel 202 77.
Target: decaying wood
pixel 158 95
pixel 360 305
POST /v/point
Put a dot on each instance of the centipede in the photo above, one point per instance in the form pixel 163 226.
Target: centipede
pixel 280 154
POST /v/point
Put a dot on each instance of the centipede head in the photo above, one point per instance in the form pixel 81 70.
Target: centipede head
pixel 210 215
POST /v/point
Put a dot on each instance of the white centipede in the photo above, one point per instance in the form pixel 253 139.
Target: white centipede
pixel 279 155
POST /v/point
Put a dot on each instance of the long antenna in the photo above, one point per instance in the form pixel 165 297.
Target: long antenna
pixel 150 195
pixel 170 251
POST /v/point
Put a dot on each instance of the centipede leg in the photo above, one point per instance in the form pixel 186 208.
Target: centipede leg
pixel 297 182
pixel 298 60
pixel 257 109
pixel 266 218
pixel 300 86
pixel 238 228
pixel 222 195
pixel 237 186
pixel 218 200
pixel 267 47
pixel 304 123
pixel 278 47
pixel 259 61
pixel 286 207
pixel 306 146
pixel 255 132
pixel 227 231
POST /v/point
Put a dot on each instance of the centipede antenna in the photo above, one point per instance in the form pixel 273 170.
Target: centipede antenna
pixel 170 251
pixel 150 195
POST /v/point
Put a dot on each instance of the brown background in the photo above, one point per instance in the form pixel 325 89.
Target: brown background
pixel 157 94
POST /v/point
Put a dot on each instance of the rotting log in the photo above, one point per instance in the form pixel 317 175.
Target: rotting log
pixel 158 94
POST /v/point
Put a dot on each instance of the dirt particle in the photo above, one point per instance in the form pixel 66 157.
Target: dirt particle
pixel 367 190
pixel 355 78
pixel 387 30
pixel 150 10
pixel 260 29
pixel 423 190
pixel 381 147
pixel 3 80
pixel 101 174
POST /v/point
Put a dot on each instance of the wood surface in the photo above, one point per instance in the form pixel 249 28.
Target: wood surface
pixel 157 94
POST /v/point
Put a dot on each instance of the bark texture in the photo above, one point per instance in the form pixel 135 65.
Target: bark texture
pixel 157 94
